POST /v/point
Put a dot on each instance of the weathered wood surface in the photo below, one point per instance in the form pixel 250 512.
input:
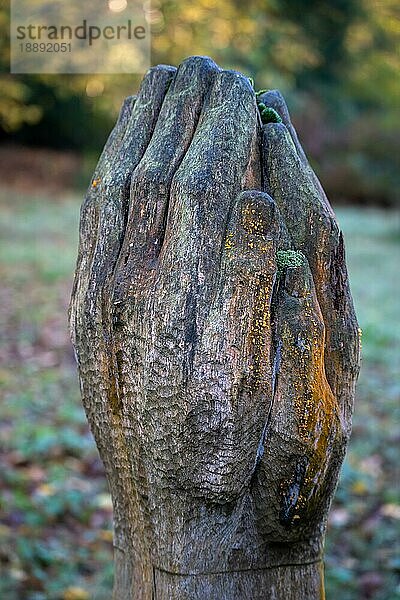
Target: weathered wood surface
pixel 216 341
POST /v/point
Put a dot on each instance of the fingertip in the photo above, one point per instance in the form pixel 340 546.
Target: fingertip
pixel 278 144
pixel 237 76
pixel 158 70
pixel 126 109
pixel 274 99
pixel 235 90
pixel 197 64
pixel 258 213
pixel 254 233
pixel 193 78
pixel 117 134
pixel 295 273
pixel 160 76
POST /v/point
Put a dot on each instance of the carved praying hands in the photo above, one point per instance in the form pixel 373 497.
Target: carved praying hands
pixel 216 341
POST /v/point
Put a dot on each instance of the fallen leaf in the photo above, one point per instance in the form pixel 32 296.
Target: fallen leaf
pixel 75 593
pixel 359 488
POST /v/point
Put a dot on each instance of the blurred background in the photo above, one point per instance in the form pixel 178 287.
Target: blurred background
pixel 337 63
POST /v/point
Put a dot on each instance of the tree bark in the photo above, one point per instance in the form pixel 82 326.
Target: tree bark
pixel 216 342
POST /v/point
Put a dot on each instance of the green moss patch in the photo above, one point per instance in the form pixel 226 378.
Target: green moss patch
pixel 290 258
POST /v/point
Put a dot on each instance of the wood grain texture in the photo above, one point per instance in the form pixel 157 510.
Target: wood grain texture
pixel 305 581
pixel 216 342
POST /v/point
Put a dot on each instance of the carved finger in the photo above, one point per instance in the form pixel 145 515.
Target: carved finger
pixel 317 235
pixel 102 228
pixel 89 210
pixel 255 233
pixel 232 354
pixel 205 185
pixel 300 453
pixel 275 100
pixel 152 178
pixel 210 177
pixel 103 213
pixel 114 141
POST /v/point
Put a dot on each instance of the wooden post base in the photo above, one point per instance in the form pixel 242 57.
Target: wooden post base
pixel 292 582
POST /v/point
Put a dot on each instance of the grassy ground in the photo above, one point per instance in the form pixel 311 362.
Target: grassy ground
pixel 55 513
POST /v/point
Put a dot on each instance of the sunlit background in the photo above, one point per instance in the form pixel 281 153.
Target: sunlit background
pixel 337 64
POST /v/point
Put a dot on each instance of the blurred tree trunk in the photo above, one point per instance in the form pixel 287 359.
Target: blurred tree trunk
pixel 216 341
